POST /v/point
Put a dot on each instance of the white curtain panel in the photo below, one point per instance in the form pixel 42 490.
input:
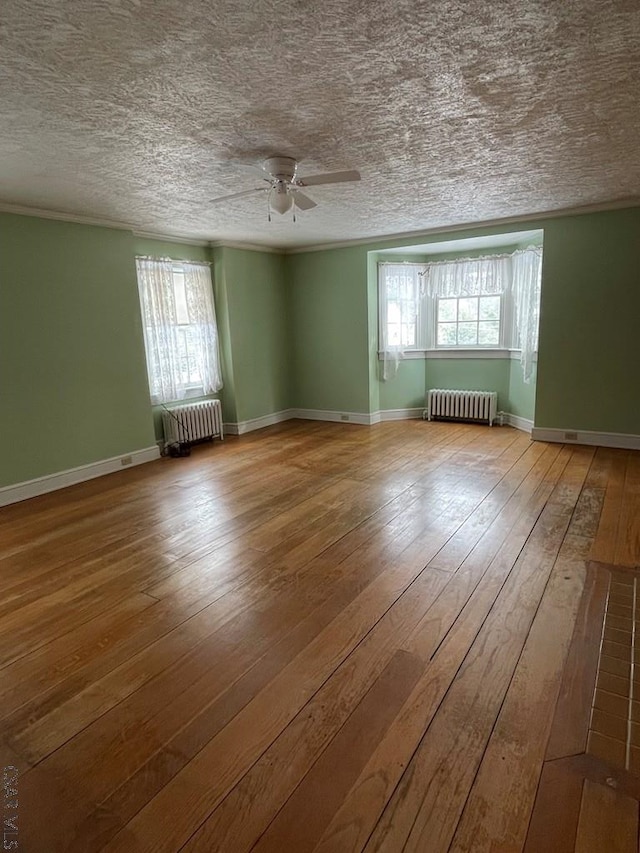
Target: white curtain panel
pixel 202 315
pixel 159 319
pixel 160 325
pixel 518 274
pixel 526 285
pixel 468 277
pixel 399 292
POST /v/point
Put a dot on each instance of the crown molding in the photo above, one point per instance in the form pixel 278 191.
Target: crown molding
pixel 451 229
pixel 170 238
pixel 246 247
pixel 100 222
pixel 42 213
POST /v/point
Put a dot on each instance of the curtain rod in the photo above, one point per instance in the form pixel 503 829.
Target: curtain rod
pixel 173 260
pixel 427 263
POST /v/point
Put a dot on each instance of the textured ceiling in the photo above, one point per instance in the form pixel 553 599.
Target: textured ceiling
pixel 454 111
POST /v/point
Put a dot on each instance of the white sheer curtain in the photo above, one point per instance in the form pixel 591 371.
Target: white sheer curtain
pixel 204 329
pixel 399 308
pixel 526 284
pixel 407 295
pixel 163 343
pixel 468 276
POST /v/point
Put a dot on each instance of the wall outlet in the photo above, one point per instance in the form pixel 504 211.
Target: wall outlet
pixel 126 460
pixel 571 436
pixel 344 417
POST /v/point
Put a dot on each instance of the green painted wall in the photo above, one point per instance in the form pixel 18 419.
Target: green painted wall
pixel 73 386
pixel 522 395
pixel 588 334
pixel 330 329
pixel 405 390
pixel 258 331
pixel 590 314
pixel 296 331
pixel 476 374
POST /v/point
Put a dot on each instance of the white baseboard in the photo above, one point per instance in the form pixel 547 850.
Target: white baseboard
pixel 516 421
pixel 340 417
pixel 61 479
pixel 362 418
pixel 599 439
pixel 396 414
pixel 240 427
pixel 365 419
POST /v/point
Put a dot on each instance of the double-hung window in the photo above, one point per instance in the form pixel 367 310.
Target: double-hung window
pixel 468 321
pixel 189 365
pixel 490 302
pixel 403 308
pixel 180 333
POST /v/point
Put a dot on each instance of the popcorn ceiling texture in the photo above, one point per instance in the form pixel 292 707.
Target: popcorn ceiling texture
pixel 454 111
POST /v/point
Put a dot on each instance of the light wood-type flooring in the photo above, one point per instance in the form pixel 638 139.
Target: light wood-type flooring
pixel 326 637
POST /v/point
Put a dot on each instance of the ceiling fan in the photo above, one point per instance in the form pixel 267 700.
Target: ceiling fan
pixel 283 190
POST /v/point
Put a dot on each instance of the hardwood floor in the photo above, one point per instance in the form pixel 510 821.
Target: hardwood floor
pixel 319 637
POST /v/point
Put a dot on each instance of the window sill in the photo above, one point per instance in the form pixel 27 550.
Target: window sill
pixel 457 352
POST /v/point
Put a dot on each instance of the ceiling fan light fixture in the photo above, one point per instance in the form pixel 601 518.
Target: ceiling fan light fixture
pixel 280 199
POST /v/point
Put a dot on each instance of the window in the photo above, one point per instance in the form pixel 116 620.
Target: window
pixel 402 299
pixel 189 363
pixel 468 321
pixel 488 302
pixel 180 334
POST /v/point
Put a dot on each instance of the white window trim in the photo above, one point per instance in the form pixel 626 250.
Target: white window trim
pixel 505 328
pixel 459 352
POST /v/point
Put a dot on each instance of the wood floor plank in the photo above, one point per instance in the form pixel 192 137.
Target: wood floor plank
pixel 247 810
pixel 554 821
pixel 256 724
pixel 571 722
pixel 628 540
pixel 605 542
pixel 244 739
pixel 301 821
pixel 608 821
pixel 319 637
pixel 498 809
pixel 244 814
pixel 354 823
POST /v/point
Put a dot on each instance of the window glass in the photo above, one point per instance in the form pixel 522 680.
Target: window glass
pixel 468 321
pixel 182 311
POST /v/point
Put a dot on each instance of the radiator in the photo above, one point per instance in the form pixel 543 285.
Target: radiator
pixel 462 405
pixel 192 422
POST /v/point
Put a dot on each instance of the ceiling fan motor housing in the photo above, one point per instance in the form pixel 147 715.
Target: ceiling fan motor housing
pixel 281 168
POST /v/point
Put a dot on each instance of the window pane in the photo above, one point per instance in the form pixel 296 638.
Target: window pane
pixel 408 336
pixel 393 334
pixel 182 312
pixel 447 310
pixel 446 334
pixel 489 307
pixel 468 308
pixel 489 333
pixel 467 333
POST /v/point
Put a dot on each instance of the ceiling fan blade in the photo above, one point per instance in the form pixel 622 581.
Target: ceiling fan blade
pixel 239 195
pixel 303 202
pixel 329 178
